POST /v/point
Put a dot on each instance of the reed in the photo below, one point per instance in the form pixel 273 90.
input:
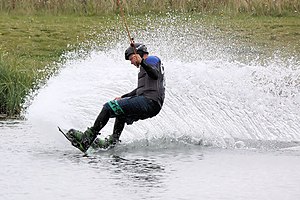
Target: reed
pixel 100 7
pixel 15 83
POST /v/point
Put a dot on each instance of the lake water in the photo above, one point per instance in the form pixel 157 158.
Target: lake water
pixel 228 129
pixel 33 167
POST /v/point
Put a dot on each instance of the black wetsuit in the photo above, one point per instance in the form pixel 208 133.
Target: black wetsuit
pixel 143 102
pixel 151 81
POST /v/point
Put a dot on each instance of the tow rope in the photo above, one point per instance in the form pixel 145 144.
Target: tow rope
pixel 131 40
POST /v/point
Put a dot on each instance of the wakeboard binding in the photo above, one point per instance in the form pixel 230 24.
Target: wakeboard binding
pixel 78 139
pixel 84 140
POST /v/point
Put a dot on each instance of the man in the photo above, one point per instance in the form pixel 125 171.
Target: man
pixel 143 102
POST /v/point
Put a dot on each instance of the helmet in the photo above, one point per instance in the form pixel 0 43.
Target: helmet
pixel 141 49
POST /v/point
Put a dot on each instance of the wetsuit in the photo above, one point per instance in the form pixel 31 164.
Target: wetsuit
pixel 143 102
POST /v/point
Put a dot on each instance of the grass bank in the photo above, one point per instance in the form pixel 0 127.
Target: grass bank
pixel 31 43
pixel 267 32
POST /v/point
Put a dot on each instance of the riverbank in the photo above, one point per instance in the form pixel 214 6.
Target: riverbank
pixel 31 44
pixel 31 47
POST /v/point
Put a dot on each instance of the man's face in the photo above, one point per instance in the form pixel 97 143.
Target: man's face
pixel 133 60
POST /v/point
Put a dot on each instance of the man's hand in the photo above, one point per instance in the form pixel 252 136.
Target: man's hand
pixel 135 59
pixel 117 98
pixel 138 59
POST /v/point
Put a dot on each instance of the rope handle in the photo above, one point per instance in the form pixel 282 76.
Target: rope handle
pixel 131 40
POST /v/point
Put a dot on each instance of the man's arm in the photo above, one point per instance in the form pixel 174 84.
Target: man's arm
pixel 151 66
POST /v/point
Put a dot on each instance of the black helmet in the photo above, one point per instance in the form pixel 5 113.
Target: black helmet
pixel 141 49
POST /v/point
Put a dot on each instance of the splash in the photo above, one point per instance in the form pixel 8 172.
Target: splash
pixel 212 97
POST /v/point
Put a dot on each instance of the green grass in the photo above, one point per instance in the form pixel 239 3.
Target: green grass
pixel 15 83
pixel 40 40
pixel 268 32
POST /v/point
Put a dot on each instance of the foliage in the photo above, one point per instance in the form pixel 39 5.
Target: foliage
pixel 97 7
pixel 15 83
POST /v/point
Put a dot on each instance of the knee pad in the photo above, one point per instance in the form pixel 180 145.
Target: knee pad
pixel 114 107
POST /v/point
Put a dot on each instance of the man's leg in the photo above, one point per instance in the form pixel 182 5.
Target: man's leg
pixel 102 119
pixel 111 139
pixel 118 128
pixel 126 110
